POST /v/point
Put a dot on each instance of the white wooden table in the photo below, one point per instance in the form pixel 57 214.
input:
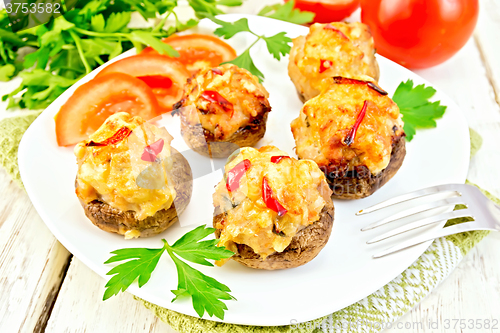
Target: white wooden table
pixel 44 289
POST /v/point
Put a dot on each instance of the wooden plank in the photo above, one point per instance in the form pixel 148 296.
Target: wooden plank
pixel 486 35
pixel 464 79
pixel 471 291
pixel 32 263
pixel 79 307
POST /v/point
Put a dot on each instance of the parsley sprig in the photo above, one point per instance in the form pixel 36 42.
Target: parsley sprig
pixel 203 7
pixel 68 47
pixel 278 45
pixel 207 294
pixel 417 110
pixel 286 12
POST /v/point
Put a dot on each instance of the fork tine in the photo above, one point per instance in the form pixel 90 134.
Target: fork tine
pixel 408 196
pixel 421 223
pixel 454 229
pixel 416 210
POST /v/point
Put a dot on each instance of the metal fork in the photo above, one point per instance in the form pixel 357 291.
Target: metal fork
pixel 485 214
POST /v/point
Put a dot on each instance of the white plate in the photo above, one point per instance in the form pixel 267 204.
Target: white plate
pixel 343 273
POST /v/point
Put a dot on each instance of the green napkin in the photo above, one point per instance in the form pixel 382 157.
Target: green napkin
pixel 372 314
pixel 11 132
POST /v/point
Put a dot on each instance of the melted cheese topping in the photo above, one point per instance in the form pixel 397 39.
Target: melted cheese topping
pixel 238 86
pixel 110 173
pixel 348 57
pixel 325 121
pixel 299 186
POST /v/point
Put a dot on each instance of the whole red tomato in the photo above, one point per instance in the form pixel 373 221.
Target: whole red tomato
pixel 328 10
pixel 420 33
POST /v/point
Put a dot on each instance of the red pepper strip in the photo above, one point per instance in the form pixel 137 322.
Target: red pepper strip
pixel 277 159
pixel 217 71
pixel 151 152
pixel 234 175
pixel 121 134
pixel 156 81
pixel 215 97
pixel 349 139
pixel 331 27
pixel 271 203
pixel 325 65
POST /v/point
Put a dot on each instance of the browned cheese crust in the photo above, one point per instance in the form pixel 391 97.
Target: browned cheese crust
pixel 114 220
pixel 304 247
pixel 334 49
pixel 374 152
pixel 213 129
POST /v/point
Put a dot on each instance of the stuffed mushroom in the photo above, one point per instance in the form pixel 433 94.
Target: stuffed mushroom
pixel 354 132
pixel 334 49
pixel 130 180
pixel 223 108
pixel 272 210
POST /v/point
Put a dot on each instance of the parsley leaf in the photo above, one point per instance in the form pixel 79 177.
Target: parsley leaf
pixel 278 45
pixel 414 105
pixel 244 60
pixel 114 23
pixel 117 21
pixel 286 12
pixel 204 7
pixel 143 264
pixel 148 39
pixel 206 293
pixel 230 3
pixel 229 29
pixel 41 86
pixel 97 23
pixel 6 72
pixel 190 247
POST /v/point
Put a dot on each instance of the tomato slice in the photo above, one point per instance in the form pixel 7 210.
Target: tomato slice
pixel 198 51
pixel 93 102
pixel 328 10
pixel 165 76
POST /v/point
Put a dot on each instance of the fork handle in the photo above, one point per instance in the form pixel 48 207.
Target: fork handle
pixel 454 229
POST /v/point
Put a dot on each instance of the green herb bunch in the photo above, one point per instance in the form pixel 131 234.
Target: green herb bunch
pixel 53 56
